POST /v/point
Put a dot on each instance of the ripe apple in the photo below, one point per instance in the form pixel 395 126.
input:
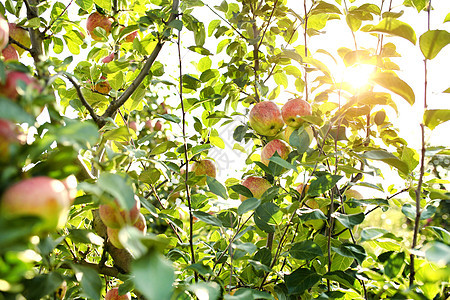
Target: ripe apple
pixel 265 118
pixel 204 167
pixel 256 185
pixel 113 233
pixel 130 37
pixel 113 294
pixel 42 197
pixel 273 146
pixel 300 187
pixel 9 89
pixel 133 125
pixel 4 32
pixel 98 20
pixel 293 111
pixel 20 35
pixel 103 86
pixel 114 216
pixel 9 134
pixel 10 53
pixel 158 126
pixel 108 58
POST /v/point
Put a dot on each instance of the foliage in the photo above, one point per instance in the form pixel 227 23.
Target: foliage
pixel 134 125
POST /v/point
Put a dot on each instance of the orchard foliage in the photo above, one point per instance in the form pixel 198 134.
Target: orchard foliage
pixel 131 106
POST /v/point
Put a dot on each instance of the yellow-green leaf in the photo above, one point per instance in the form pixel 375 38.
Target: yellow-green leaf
pixel 435 117
pixel 394 27
pixel 432 41
pixel 392 82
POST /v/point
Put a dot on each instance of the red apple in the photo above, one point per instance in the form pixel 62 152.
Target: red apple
pixel 20 35
pixel 293 111
pixel 4 32
pixel 9 89
pixel 158 126
pixel 256 185
pixel 130 37
pixel 98 20
pixel 265 118
pixel 133 125
pixel 108 58
pixel 114 216
pixel 113 294
pixel 9 134
pixel 149 125
pixel 204 167
pixel 113 233
pixel 103 86
pixel 10 53
pixel 273 146
pixel 42 197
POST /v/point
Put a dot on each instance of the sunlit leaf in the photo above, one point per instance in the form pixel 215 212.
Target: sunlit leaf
pixel 388 158
pixel 435 117
pixel 394 27
pixel 432 41
pixel 392 82
pixel 248 205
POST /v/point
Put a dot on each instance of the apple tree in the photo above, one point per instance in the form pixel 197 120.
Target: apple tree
pixel 113 112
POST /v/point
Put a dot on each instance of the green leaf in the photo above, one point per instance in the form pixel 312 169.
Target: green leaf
pixel 207 290
pixel 441 233
pixel 85 4
pixel 349 220
pixel 322 184
pixel 91 284
pixel 200 148
pixel 394 264
pixel 300 139
pixel 340 263
pixel 435 117
pixel 392 82
pixel 105 4
pixel 239 133
pixel 281 162
pixel 387 158
pixel 447 18
pixel 216 187
pixel 264 215
pixel 307 214
pixel 437 252
pixel 432 41
pixel 171 118
pixel 85 236
pixel 351 250
pixel 177 24
pixel 42 285
pixel 207 218
pixel 14 112
pixel 281 79
pixel 242 190
pixel 393 27
pixel 162 148
pixel 343 278
pixel 301 280
pixel 119 188
pixel 368 234
pixel 305 250
pixel 409 210
pixel 150 176
pixel 153 276
pixel 248 205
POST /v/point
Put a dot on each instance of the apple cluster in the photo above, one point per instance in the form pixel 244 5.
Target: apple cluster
pixel 115 218
pixel 8 31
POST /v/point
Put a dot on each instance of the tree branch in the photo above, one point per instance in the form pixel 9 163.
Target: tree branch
pixel 116 104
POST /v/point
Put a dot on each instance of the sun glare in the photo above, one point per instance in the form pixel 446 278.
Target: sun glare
pixel 358 75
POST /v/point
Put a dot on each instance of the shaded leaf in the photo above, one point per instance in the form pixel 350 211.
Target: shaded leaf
pixel 351 250
pixel 301 280
pixel 242 190
pixel 91 284
pixel 207 218
pixel 216 187
pixel 305 250
pixel 322 184
pixel 248 205
pixel 349 221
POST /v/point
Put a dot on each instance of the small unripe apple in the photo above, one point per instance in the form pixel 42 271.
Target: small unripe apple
pixel 9 134
pixel 273 146
pixel 10 53
pixel 204 167
pixel 103 86
pixel 108 58
pixel 293 111
pixel 43 197
pixel 20 35
pixel 95 20
pixel 256 185
pixel 113 294
pixel 265 118
pixel 9 89
pixel 158 126
pixel 113 233
pixel 148 124
pixel 4 32
pixel 114 216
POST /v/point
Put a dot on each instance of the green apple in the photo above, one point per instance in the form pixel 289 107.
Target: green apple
pixel 265 118
pixel 273 146
pixel 256 185
pixel 293 111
